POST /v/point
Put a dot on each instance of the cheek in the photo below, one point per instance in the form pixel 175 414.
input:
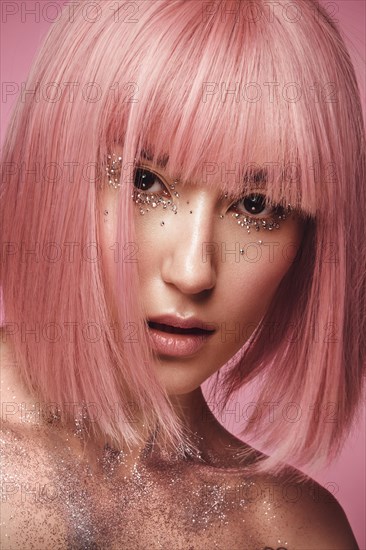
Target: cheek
pixel 151 242
pixel 254 284
pixel 257 286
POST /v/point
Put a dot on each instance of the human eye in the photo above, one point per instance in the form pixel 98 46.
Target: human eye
pixel 147 181
pixel 150 190
pixel 255 211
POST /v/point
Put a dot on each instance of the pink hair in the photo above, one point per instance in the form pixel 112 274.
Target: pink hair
pixel 164 80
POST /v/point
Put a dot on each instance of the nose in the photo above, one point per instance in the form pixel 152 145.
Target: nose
pixel 185 264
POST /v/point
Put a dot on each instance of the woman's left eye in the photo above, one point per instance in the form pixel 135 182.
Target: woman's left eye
pixel 255 205
pixel 146 181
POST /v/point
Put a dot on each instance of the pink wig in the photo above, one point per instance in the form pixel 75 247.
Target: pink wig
pixel 160 79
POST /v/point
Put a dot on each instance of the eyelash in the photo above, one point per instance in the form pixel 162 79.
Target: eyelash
pixel 244 218
pixel 270 221
pixel 153 199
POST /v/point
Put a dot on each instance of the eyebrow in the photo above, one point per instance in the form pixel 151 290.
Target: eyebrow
pixel 161 161
pixel 251 177
pixel 256 176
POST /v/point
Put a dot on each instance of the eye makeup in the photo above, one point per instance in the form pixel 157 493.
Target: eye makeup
pixel 255 202
pixel 145 178
pixel 113 170
pixel 247 210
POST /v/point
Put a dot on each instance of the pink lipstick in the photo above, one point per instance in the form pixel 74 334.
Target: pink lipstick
pixel 177 336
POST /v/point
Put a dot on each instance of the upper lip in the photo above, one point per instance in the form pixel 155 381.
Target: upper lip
pixel 182 322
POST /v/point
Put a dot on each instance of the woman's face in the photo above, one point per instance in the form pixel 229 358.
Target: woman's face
pixel 199 262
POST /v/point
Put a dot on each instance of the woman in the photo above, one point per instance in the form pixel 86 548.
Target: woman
pixel 178 194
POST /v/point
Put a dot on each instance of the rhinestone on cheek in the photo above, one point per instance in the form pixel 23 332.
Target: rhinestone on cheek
pixel 113 170
pixel 269 224
pixel 144 200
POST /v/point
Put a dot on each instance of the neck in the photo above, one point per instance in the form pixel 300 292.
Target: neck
pixel 206 440
pixel 200 425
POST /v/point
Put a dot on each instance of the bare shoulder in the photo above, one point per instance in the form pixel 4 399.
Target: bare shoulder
pixel 302 514
pixel 292 510
pixel 30 515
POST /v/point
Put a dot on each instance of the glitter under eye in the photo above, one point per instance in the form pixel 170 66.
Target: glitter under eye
pixel 269 222
pixel 152 200
pixel 257 224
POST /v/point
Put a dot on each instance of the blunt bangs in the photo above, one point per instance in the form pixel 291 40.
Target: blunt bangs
pixel 225 100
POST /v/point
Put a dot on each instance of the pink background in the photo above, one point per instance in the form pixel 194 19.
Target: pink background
pixel 21 35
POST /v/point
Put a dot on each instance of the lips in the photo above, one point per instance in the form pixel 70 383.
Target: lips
pixel 179 325
pixel 177 336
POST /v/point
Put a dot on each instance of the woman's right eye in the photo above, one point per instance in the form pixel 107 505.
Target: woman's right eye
pixel 151 190
pixel 145 180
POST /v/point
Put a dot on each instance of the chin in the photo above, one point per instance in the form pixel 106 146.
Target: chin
pixel 178 383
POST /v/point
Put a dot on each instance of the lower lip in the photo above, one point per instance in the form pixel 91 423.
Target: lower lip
pixel 178 345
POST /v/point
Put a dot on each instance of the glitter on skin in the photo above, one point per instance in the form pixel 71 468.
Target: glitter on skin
pixel 106 503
